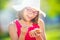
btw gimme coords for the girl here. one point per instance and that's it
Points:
(28, 26)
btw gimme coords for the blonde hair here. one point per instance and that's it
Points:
(20, 16)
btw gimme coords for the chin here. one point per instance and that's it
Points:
(28, 20)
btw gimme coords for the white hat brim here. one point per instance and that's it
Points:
(18, 8)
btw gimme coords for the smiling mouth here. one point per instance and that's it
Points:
(29, 17)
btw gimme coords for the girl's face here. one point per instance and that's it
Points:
(30, 13)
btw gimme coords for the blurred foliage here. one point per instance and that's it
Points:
(53, 35)
(3, 4)
(52, 7)
(4, 36)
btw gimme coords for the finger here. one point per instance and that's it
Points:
(30, 34)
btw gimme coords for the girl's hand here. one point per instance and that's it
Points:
(34, 33)
(23, 33)
(24, 30)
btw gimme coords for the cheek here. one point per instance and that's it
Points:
(24, 14)
(34, 16)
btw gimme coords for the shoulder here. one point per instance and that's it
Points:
(41, 23)
(12, 30)
(12, 23)
(12, 26)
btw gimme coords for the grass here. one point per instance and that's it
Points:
(53, 34)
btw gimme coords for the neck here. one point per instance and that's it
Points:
(27, 22)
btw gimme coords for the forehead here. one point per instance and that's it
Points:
(31, 8)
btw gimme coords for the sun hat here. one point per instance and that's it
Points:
(29, 3)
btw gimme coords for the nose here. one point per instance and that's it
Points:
(31, 15)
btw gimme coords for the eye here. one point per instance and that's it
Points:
(35, 12)
(29, 10)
